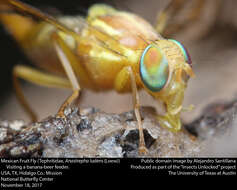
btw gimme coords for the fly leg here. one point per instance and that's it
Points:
(37, 77)
(125, 80)
(73, 68)
(71, 65)
(167, 14)
(59, 47)
(163, 25)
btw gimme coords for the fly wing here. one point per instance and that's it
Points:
(25, 8)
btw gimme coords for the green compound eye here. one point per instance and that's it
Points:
(154, 68)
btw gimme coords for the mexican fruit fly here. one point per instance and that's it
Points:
(109, 49)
